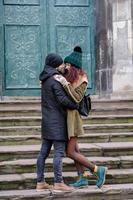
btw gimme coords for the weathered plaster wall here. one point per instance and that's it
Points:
(104, 53)
(122, 46)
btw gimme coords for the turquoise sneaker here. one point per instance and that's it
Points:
(101, 175)
(82, 182)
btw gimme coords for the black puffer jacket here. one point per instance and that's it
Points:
(54, 104)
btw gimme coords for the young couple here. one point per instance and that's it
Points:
(63, 86)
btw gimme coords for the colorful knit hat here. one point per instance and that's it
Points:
(75, 58)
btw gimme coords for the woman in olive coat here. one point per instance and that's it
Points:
(75, 84)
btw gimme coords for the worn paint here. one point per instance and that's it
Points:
(34, 28)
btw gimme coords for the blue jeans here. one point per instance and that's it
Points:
(59, 149)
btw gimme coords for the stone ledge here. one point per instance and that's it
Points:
(86, 138)
(82, 146)
(110, 191)
(29, 165)
(94, 149)
(84, 118)
(28, 180)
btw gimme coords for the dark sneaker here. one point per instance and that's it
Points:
(101, 175)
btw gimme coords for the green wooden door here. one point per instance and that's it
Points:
(71, 23)
(29, 29)
(24, 36)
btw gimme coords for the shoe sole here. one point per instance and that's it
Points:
(56, 191)
(42, 190)
(82, 186)
(106, 170)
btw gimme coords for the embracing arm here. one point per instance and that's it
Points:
(62, 97)
(77, 93)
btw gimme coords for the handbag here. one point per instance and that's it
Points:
(85, 105)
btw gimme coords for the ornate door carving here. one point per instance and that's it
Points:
(24, 27)
(29, 29)
(72, 23)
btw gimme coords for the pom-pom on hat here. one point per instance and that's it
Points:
(75, 58)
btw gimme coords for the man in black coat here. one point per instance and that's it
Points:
(54, 103)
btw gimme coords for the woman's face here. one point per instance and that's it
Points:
(68, 65)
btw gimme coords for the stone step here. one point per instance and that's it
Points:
(106, 137)
(21, 166)
(103, 128)
(20, 130)
(20, 112)
(20, 140)
(110, 192)
(36, 111)
(94, 149)
(36, 120)
(86, 138)
(106, 119)
(28, 180)
(17, 104)
(32, 107)
(92, 128)
(112, 103)
(28, 102)
(112, 111)
(20, 121)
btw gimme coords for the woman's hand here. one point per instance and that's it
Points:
(61, 79)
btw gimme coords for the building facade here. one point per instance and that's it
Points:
(114, 48)
(30, 29)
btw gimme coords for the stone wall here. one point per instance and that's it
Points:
(104, 53)
(122, 46)
(114, 48)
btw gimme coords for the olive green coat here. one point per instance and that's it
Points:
(74, 120)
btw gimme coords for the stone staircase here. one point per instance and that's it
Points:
(108, 141)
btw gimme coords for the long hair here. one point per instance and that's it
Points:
(72, 75)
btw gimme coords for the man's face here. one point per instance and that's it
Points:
(61, 68)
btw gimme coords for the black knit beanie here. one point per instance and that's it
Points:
(53, 60)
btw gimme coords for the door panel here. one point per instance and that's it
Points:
(21, 2)
(24, 44)
(72, 3)
(30, 29)
(71, 24)
(22, 50)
